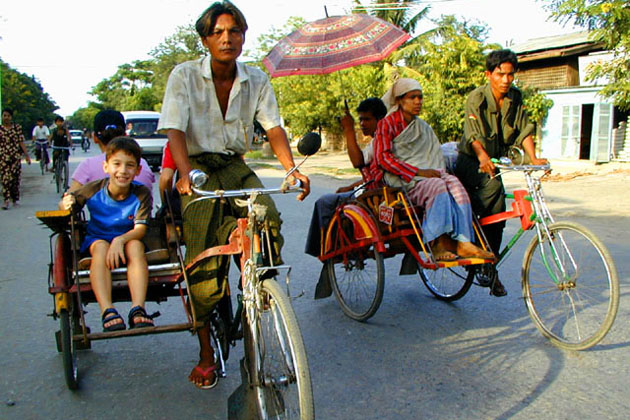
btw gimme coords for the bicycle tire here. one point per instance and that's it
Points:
(42, 162)
(57, 174)
(283, 372)
(578, 312)
(69, 351)
(65, 174)
(357, 277)
(448, 283)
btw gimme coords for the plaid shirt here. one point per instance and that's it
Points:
(384, 160)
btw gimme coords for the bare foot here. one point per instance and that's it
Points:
(468, 250)
(442, 249)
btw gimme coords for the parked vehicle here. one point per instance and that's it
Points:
(142, 126)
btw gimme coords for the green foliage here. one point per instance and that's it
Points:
(449, 63)
(141, 84)
(26, 97)
(609, 22)
(84, 117)
(182, 46)
(396, 12)
(537, 104)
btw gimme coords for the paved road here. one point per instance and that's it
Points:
(480, 357)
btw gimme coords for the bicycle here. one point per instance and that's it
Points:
(61, 171)
(275, 367)
(41, 152)
(85, 144)
(569, 280)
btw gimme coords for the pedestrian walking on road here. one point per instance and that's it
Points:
(11, 141)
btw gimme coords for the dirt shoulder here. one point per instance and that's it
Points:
(574, 189)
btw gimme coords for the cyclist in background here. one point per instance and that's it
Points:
(40, 138)
(60, 137)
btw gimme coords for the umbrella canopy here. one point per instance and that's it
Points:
(334, 43)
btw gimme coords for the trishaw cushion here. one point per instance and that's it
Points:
(157, 256)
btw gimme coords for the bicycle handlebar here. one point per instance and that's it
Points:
(505, 163)
(284, 188)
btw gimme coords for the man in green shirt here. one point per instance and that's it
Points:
(495, 120)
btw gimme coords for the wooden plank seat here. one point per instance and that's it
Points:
(372, 200)
(158, 260)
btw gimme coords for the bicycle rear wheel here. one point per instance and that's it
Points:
(285, 391)
(358, 276)
(69, 350)
(570, 286)
(449, 283)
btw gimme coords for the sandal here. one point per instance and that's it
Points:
(205, 374)
(108, 316)
(139, 312)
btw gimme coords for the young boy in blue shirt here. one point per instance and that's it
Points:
(119, 211)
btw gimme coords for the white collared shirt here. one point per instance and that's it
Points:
(190, 105)
(41, 133)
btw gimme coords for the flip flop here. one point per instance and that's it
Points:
(205, 375)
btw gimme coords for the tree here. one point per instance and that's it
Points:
(128, 89)
(449, 63)
(182, 46)
(609, 22)
(25, 95)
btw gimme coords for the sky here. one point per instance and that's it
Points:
(71, 45)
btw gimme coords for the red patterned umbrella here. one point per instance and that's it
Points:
(332, 44)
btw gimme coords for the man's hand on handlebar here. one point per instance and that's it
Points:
(539, 161)
(183, 185)
(306, 185)
(486, 165)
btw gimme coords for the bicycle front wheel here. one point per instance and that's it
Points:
(570, 286)
(57, 174)
(285, 391)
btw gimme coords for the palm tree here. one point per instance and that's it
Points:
(397, 12)
(402, 14)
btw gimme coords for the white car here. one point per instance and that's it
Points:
(142, 126)
(76, 136)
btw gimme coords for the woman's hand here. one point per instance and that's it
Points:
(67, 201)
(429, 173)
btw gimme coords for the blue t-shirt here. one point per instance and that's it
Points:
(110, 218)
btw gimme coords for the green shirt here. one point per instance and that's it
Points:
(495, 130)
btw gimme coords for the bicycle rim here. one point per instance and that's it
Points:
(283, 372)
(570, 286)
(447, 284)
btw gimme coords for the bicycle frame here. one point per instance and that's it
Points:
(246, 240)
(530, 206)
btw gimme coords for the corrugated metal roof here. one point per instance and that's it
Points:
(552, 42)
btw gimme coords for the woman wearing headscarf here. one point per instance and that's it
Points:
(408, 151)
(11, 149)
